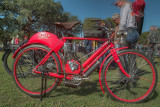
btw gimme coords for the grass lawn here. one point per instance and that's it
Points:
(88, 94)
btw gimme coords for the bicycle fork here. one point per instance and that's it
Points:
(117, 60)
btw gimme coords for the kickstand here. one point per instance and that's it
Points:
(43, 86)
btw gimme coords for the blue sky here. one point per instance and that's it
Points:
(104, 8)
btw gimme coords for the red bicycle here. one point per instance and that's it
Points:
(39, 67)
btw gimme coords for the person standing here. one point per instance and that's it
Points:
(116, 19)
(127, 22)
(17, 40)
(153, 36)
(13, 41)
(88, 45)
(152, 41)
(138, 9)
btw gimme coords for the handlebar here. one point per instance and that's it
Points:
(122, 33)
(99, 27)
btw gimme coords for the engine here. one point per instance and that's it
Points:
(72, 65)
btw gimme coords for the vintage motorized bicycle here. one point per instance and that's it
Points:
(41, 65)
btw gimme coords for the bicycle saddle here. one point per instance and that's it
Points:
(66, 25)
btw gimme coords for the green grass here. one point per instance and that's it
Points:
(88, 94)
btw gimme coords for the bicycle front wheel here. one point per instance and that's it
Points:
(139, 86)
(30, 82)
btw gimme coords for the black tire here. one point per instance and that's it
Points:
(131, 90)
(25, 61)
(7, 61)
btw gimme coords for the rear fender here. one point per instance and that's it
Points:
(48, 39)
(45, 38)
(103, 64)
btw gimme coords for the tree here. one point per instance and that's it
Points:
(143, 38)
(26, 17)
(88, 24)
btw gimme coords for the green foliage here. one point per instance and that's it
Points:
(111, 22)
(26, 17)
(88, 24)
(143, 38)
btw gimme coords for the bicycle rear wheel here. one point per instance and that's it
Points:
(26, 61)
(139, 86)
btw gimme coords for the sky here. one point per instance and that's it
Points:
(104, 9)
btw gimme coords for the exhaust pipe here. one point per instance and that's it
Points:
(90, 70)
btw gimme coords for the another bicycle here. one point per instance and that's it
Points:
(39, 67)
(150, 50)
(7, 57)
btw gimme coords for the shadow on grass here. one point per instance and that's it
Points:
(86, 88)
(153, 96)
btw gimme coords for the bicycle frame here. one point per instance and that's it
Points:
(90, 61)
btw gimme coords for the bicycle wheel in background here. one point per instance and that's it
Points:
(157, 52)
(8, 61)
(139, 86)
(26, 61)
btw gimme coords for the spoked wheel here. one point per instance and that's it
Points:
(7, 61)
(26, 61)
(139, 86)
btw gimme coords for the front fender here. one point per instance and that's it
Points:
(100, 70)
